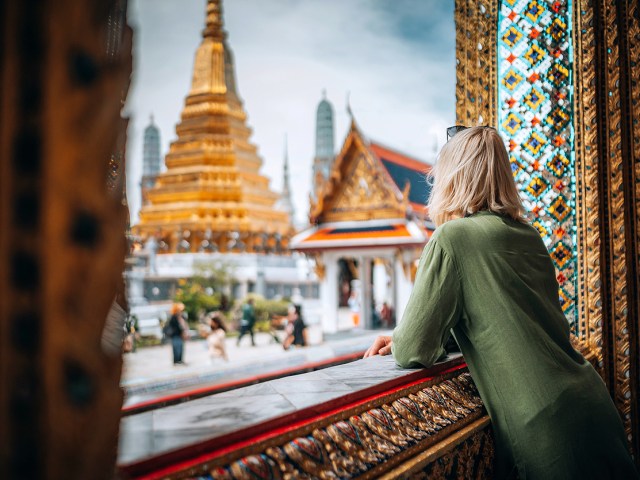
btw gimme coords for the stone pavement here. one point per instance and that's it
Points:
(149, 372)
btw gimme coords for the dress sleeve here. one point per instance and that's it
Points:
(434, 308)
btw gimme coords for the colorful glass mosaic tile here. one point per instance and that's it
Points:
(537, 186)
(512, 123)
(534, 99)
(535, 93)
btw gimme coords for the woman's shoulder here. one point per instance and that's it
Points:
(483, 229)
(452, 231)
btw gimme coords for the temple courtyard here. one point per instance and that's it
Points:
(149, 373)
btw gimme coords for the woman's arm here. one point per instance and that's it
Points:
(434, 307)
(381, 346)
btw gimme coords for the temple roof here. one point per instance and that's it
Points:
(362, 234)
(371, 181)
(404, 169)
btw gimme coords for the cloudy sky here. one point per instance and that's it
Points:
(396, 58)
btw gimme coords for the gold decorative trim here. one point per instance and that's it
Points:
(366, 440)
(633, 43)
(617, 257)
(589, 314)
(424, 459)
(325, 421)
(476, 83)
(461, 62)
(384, 436)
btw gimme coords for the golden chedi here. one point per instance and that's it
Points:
(212, 196)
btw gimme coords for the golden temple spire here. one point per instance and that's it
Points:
(209, 67)
(214, 25)
(213, 187)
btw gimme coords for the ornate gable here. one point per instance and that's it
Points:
(358, 188)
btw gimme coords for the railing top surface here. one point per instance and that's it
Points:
(220, 420)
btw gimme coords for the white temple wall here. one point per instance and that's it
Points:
(403, 287)
(329, 294)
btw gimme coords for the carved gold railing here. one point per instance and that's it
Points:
(386, 423)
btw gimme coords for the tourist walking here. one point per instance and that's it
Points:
(386, 315)
(216, 339)
(486, 274)
(176, 330)
(296, 329)
(247, 321)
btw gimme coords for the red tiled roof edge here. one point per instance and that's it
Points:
(399, 158)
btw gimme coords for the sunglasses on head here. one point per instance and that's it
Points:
(452, 131)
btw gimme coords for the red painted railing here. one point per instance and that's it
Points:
(182, 459)
(176, 398)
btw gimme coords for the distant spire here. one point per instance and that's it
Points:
(214, 20)
(151, 158)
(324, 128)
(285, 198)
(349, 112)
(324, 144)
(285, 188)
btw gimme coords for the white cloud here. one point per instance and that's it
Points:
(287, 52)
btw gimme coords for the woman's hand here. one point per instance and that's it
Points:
(381, 346)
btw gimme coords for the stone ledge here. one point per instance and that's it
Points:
(214, 432)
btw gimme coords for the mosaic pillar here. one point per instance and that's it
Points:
(535, 95)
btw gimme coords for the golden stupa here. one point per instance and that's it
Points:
(212, 196)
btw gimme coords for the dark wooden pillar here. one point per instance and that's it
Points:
(65, 71)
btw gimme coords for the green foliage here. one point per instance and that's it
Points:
(215, 274)
(203, 292)
(196, 300)
(264, 309)
(148, 341)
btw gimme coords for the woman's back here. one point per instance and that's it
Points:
(491, 280)
(510, 297)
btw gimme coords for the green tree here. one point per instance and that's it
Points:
(265, 310)
(205, 291)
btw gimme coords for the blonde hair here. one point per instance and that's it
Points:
(473, 174)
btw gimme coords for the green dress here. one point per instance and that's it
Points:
(490, 279)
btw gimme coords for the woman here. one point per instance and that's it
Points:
(177, 329)
(216, 339)
(296, 329)
(487, 275)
